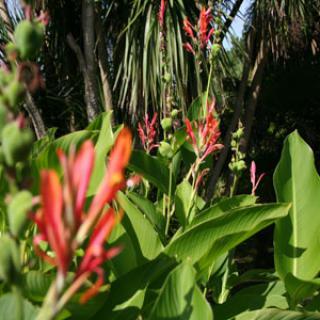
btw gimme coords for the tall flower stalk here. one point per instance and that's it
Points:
(63, 223)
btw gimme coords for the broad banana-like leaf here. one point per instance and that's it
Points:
(296, 238)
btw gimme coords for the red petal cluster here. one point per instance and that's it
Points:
(162, 12)
(254, 181)
(61, 219)
(204, 32)
(204, 134)
(147, 132)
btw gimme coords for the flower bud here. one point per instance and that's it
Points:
(28, 37)
(165, 150)
(16, 143)
(13, 93)
(166, 124)
(215, 49)
(9, 259)
(174, 113)
(17, 212)
(167, 77)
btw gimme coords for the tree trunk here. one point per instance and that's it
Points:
(90, 60)
(35, 116)
(216, 170)
(261, 62)
(102, 60)
(31, 108)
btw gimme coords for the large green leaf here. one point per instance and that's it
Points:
(277, 314)
(36, 285)
(175, 297)
(201, 309)
(186, 205)
(300, 289)
(296, 236)
(9, 308)
(102, 147)
(150, 212)
(142, 234)
(252, 298)
(152, 169)
(121, 300)
(225, 205)
(48, 158)
(232, 227)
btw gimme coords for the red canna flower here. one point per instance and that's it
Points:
(189, 48)
(61, 219)
(188, 28)
(147, 132)
(205, 19)
(162, 12)
(203, 32)
(204, 138)
(255, 183)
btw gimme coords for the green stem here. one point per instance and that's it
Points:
(194, 191)
(168, 214)
(207, 90)
(49, 307)
(224, 290)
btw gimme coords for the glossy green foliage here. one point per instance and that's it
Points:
(297, 236)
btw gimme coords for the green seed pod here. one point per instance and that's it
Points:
(13, 93)
(232, 166)
(28, 37)
(18, 210)
(215, 49)
(241, 165)
(167, 77)
(166, 124)
(165, 150)
(9, 259)
(16, 143)
(174, 113)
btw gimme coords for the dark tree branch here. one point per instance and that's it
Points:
(88, 29)
(234, 11)
(102, 59)
(216, 170)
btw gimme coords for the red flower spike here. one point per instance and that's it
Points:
(191, 135)
(147, 132)
(204, 139)
(114, 179)
(82, 169)
(188, 28)
(95, 253)
(189, 48)
(52, 220)
(162, 12)
(61, 221)
(255, 183)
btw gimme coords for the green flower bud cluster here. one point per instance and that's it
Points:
(29, 37)
(237, 163)
(166, 150)
(166, 124)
